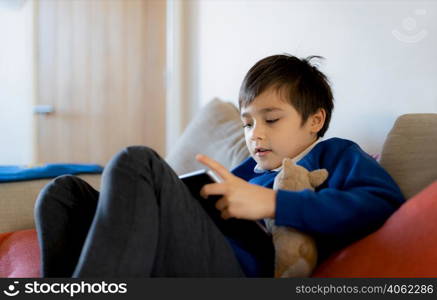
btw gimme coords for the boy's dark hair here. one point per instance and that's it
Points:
(306, 88)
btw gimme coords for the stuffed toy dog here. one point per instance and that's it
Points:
(295, 252)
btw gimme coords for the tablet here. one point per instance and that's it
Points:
(197, 179)
(240, 229)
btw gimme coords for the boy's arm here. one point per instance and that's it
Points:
(360, 196)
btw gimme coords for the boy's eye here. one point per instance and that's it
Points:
(247, 125)
(272, 121)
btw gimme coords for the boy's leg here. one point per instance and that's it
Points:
(64, 211)
(148, 224)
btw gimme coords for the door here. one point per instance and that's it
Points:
(100, 67)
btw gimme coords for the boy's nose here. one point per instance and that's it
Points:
(258, 133)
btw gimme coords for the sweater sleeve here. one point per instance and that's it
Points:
(359, 197)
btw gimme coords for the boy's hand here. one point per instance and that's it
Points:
(240, 199)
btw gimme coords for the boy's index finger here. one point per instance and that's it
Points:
(213, 165)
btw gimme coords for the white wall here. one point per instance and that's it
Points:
(16, 82)
(376, 74)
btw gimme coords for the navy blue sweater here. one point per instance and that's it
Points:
(356, 199)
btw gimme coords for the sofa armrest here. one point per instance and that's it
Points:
(19, 254)
(403, 247)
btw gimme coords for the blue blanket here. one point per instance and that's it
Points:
(20, 173)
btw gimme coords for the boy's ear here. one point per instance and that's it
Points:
(318, 120)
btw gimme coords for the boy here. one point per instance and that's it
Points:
(145, 222)
(286, 106)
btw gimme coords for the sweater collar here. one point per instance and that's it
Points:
(257, 169)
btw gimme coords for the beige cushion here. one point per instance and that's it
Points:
(215, 131)
(410, 152)
(17, 201)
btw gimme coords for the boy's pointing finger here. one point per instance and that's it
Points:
(213, 165)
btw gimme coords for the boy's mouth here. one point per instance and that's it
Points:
(261, 152)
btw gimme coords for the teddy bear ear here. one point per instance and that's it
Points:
(317, 177)
(287, 162)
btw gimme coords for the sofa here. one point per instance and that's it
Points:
(403, 247)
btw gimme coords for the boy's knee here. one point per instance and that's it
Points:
(135, 154)
(61, 182)
(65, 180)
(53, 189)
(142, 152)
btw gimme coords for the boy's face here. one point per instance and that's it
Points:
(275, 126)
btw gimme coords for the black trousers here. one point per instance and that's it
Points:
(143, 223)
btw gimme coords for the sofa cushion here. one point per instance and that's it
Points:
(410, 152)
(216, 131)
(405, 246)
(17, 200)
(19, 254)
